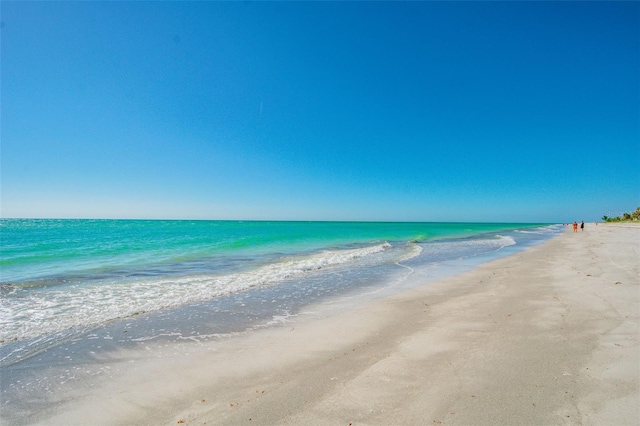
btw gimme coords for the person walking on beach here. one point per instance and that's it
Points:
(582, 226)
(575, 226)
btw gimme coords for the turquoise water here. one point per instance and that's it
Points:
(40, 249)
(77, 294)
(61, 278)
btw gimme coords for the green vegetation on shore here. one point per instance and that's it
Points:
(624, 217)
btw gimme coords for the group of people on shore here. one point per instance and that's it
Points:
(575, 226)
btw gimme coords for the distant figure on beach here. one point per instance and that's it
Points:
(575, 226)
(582, 226)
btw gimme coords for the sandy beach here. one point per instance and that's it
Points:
(547, 336)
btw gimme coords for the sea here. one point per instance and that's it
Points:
(74, 291)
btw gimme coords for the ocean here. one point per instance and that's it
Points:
(74, 291)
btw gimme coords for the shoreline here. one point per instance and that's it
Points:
(560, 347)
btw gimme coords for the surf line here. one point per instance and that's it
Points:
(408, 267)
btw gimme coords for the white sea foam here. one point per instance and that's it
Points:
(505, 241)
(542, 230)
(446, 250)
(414, 250)
(49, 311)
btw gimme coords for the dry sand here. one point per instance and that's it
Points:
(547, 336)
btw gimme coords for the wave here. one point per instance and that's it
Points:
(414, 250)
(542, 230)
(459, 249)
(505, 241)
(81, 304)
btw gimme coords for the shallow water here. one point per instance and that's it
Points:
(61, 324)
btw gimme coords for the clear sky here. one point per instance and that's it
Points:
(400, 111)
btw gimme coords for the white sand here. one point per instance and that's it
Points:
(547, 336)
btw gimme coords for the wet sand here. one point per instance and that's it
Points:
(549, 335)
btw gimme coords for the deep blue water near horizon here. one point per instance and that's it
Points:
(73, 291)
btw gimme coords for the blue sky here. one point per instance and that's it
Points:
(401, 111)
